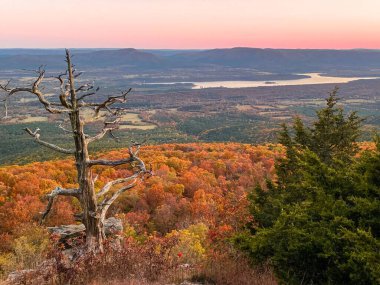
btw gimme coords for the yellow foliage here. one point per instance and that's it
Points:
(27, 250)
(191, 246)
(7, 263)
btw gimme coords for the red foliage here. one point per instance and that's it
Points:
(193, 183)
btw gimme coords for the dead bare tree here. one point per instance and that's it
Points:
(72, 100)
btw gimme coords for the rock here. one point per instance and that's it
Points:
(67, 231)
(112, 226)
(36, 276)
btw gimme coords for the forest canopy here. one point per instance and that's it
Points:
(307, 209)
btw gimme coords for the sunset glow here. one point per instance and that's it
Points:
(190, 23)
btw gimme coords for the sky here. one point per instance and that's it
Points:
(190, 24)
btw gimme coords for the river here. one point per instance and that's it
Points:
(314, 78)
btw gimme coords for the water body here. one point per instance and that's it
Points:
(314, 78)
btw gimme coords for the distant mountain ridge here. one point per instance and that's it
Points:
(271, 60)
(285, 59)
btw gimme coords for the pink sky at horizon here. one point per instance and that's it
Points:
(338, 24)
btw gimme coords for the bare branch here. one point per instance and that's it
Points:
(58, 191)
(117, 139)
(61, 81)
(62, 127)
(109, 126)
(86, 95)
(107, 202)
(109, 162)
(34, 89)
(71, 88)
(78, 74)
(110, 101)
(100, 135)
(36, 136)
(132, 158)
(64, 90)
(86, 87)
(110, 184)
(140, 171)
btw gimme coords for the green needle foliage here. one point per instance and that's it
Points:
(320, 222)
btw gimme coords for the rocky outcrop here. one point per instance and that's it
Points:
(112, 227)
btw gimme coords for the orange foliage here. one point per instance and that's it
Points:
(192, 183)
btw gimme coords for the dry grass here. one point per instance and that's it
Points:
(149, 263)
(227, 269)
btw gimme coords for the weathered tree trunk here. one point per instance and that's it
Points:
(90, 216)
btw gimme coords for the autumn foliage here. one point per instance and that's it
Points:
(198, 194)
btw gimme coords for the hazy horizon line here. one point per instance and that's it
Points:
(138, 48)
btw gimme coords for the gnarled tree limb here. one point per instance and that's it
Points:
(58, 191)
(34, 89)
(88, 94)
(109, 126)
(106, 162)
(112, 183)
(36, 137)
(110, 101)
(140, 172)
(107, 202)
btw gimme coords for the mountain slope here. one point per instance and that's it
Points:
(283, 59)
(272, 60)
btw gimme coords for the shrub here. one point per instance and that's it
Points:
(27, 251)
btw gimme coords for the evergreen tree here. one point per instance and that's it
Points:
(332, 135)
(319, 222)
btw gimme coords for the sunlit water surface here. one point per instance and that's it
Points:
(313, 78)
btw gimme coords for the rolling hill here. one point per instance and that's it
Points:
(270, 60)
